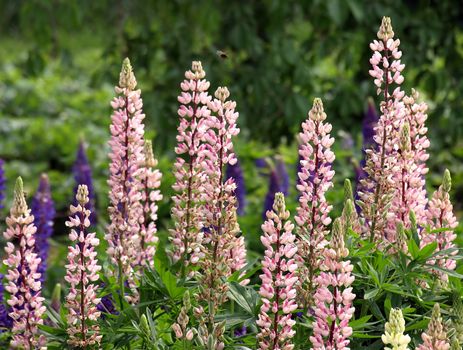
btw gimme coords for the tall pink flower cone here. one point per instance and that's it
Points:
(82, 275)
(334, 297)
(440, 215)
(24, 284)
(381, 165)
(126, 155)
(278, 277)
(315, 178)
(411, 169)
(193, 113)
(151, 195)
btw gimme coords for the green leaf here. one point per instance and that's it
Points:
(427, 251)
(360, 322)
(245, 297)
(413, 248)
(371, 294)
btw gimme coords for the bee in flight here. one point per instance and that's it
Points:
(222, 54)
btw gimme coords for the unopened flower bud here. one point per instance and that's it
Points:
(317, 113)
(126, 77)
(385, 31)
(447, 181)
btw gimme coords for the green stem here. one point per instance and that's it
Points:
(121, 286)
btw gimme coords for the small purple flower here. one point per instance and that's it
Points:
(2, 182)
(106, 306)
(43, 209)
(236, 172)
(83, 176)
(240, 332)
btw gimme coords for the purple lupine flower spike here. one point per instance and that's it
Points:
(43, 209)
(6, 322)
(283, 176)
(273, 187)
(83, 176)
(2, 182)
(236, 172)
(369, 123)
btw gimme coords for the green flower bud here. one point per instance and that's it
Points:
(447, 181)
(126, 77)
(385, 31)
(19, 201)
(144, 326)
(56, 297)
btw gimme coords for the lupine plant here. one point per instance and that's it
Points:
(351, 275)
(83, 176)
(43, 210)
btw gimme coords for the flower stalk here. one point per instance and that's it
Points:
(82, 274)
(24, 284)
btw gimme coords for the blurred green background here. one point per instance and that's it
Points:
(59, 61)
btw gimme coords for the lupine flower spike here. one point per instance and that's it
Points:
(409, 178)
(83, 176)
(273, 187)
(5, 320)
(236, 173)
(334, 297)
(126, 156)
(23, 277)
(278, 279)
(377, 189)
(440, 216)
(394, 332)
(82, 275)
(313, 211)
(43, 210)
(188, 170)
(219, 209)
(435, 337)
(151, 195)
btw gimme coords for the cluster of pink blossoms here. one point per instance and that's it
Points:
(315, 178)
(333, 298)
(151, 195)
(125, 194)
(220, 202)
(435, 337)
(440, 215)
(189, 167)
(24, 283)
(376, 190)
(82, 273)
(409, 177)
(278, 280)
